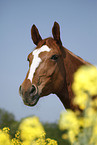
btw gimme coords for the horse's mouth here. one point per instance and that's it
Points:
(31, 100)
(31, 96)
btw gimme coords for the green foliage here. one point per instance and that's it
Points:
(53, 131)
(8, 120)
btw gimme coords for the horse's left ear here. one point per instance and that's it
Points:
(56, 33)
(35, 35)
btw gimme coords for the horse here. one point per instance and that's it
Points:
(51, 70)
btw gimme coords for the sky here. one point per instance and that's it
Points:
(78, 27)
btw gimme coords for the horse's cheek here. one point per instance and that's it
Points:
(52, 70)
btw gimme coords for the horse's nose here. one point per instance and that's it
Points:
(33, 90)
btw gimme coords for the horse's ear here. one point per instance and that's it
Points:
(56, 33)
(35, 35)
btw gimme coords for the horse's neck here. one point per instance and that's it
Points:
(71, 64)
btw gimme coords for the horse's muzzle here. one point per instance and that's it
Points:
(30, 97)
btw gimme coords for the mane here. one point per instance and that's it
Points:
(77, 57)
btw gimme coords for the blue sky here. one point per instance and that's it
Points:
(78, 22)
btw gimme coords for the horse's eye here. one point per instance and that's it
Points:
(54, 57)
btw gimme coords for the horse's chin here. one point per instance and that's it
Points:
(31, 100)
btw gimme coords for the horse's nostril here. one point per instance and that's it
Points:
(33, 89)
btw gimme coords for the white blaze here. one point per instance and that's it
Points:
(36, 60)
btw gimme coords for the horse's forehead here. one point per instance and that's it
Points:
(41, 49)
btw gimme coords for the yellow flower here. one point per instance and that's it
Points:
(81, 100)
(51, 142)
(71, 136)
(17, 135)
(91, 113)
(94, 103)
(40, 141)
(64, 136)
(6, 129)
(85, 85)
(81, 121)
(94, 134)
(95, 130)
(87, 122)
(27, 142)
(4, 138)
(31, 128)
(16, 141)
(86, 79)
(43, 141)
(68, 121)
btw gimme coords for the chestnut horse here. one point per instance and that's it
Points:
(51, 69)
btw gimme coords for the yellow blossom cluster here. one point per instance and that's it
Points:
(85, 85)
(4, 137)
(31, 128)
(68, 121)
(30, 132)
(82, 126)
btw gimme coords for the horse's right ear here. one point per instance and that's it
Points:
(35, 35)
(56, 33)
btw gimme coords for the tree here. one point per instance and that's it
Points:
(8, 120)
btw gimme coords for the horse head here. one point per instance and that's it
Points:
(51, 69)
(46, 67)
